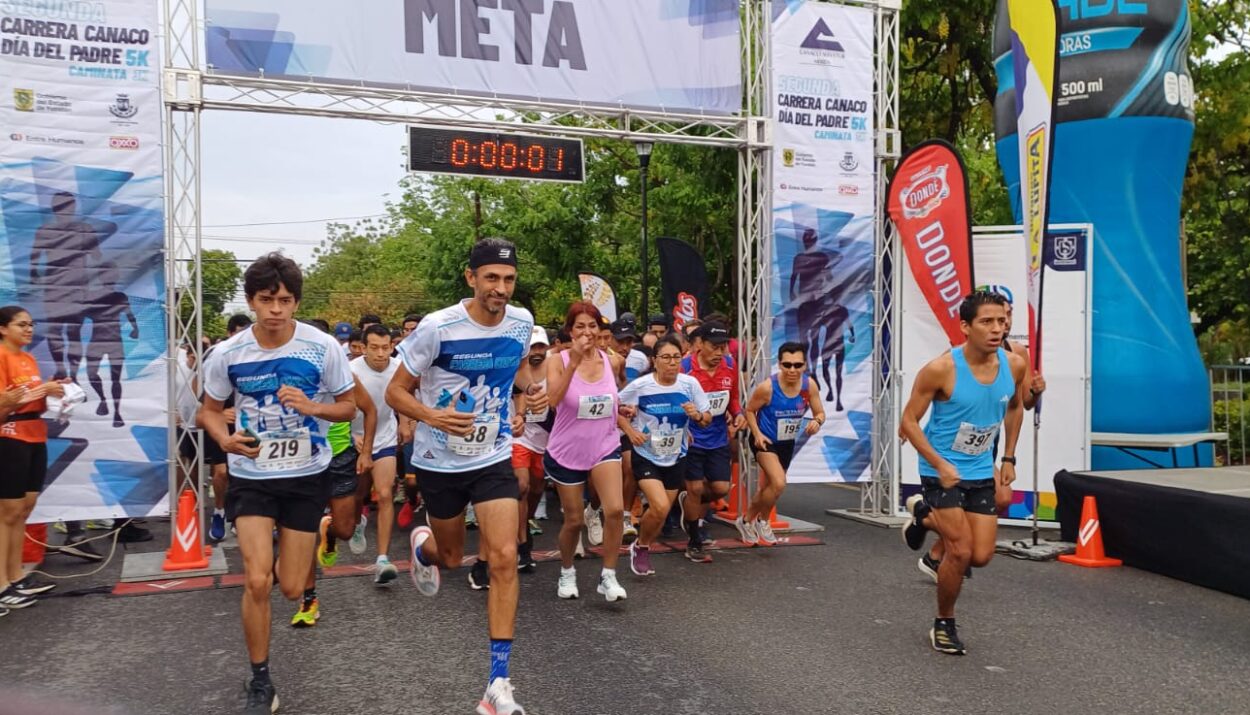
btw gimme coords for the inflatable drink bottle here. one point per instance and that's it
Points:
(1125, 113)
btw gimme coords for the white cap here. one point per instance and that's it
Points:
(539, 336)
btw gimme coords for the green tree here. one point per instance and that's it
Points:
(219, 285)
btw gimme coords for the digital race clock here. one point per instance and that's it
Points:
(507, 156)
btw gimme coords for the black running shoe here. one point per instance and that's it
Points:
(695, 553)
(479, 576)
(944, 638)
(262, 699)
(11, 599)
(525, 558)
(132, 533)
(28, 586)
(913, 529)
(929, 566)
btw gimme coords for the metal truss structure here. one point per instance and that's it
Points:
(190, 88)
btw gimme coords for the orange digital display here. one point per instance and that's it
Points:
(509, 156)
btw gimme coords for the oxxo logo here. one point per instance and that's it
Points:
(123, 142)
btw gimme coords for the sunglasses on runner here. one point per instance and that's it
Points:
(792, 365)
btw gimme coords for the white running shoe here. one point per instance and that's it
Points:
(470, 517)
(580, 551)
(568, 584)
(357, 544)
(630, 532)
(384, 571)
(425, 578)
(746, 531)
(541, 512)
(594, 526)
(765, 531)
(610, 587)
(498, 699)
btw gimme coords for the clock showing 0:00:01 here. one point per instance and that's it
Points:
(493, 154)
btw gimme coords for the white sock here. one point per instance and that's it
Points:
(383, 557)
(570, 571)
(219, 512)
(607, 572)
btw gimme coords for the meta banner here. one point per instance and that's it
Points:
(928, 202)
(82, 239)
(654, 54)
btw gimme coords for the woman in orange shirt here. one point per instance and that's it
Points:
(23, 450)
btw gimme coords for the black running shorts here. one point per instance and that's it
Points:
(783, 450)
(295, 503)
(25, 466)
(342, 471)
(974, 497)
(712, 465)
(672, 477)
(446, 494)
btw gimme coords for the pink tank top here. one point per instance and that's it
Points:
(585, 431)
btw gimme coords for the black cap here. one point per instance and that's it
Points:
(492, 251)
(623, 329)
(658, 319)
(713, 332)
(627, 318)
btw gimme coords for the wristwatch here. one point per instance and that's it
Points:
(1009, 460)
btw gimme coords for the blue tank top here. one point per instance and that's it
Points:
(783, 415)
(962, 429)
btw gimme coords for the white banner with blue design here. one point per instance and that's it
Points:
(82, 238)
(824, 201)
(680, 55)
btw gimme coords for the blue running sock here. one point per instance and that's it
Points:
(500, 652)
(420, 556)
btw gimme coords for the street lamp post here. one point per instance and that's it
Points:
(644, 161)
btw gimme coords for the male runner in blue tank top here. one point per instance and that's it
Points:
(973, 390)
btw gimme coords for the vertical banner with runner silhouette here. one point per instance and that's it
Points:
(81, 242)
(824, 203)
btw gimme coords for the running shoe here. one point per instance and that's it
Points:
(594, 526)
(704, 534)
(525, 558)
(535, 529)
(60, 527)
(610, 588)
(479, 576)
(358, 544)
(541, 512)
(12, 600)
(695, 553)
(929, 566)
(498, 699)
(579, 552)
(308, 614)
(28, 586)
(217, 527)
(913, 530)
(384, 571)
(132, 533)
(98, 524)
(765, 531)
(4, 612)
(327, 556)
(640, 560)
(630, 531)
(567, 587)
(746, 531)
(425, 578)
(470, 517)
(262, 699)
(945, 639)
(404, 517)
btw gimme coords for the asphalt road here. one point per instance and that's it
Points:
(836, 628)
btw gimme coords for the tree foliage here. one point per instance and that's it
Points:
(219, 285)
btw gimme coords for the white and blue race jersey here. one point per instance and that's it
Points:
(636, 363)
(470, 367)
(661, 418)
(292, 445)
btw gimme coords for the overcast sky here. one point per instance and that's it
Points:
(269, 182)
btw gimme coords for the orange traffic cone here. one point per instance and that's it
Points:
(732, 508)
(185, 553)
(1089, 541)
(776, 523)
(33, 547)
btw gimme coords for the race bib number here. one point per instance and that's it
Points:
(284, 450)
(536, 417)
(788, 428)
(972, 440)
(666, 444)
(481, 440)
(594, 407)
(718, 402)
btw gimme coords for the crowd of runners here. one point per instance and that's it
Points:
(481, 419)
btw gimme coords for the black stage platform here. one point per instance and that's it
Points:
(1190, 524)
